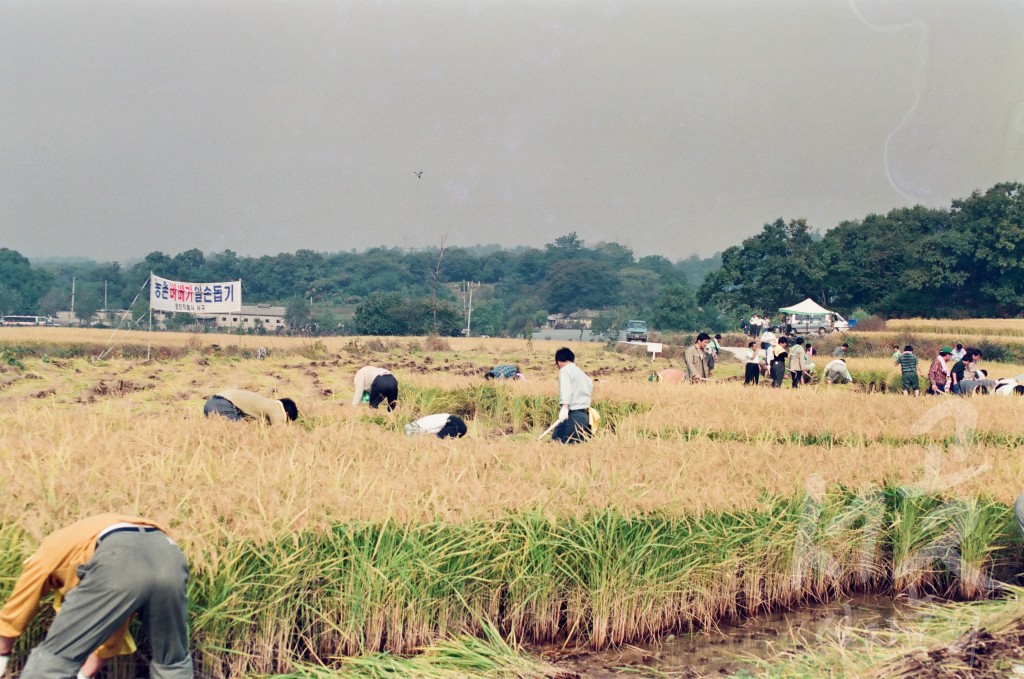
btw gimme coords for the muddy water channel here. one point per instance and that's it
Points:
(731, 647)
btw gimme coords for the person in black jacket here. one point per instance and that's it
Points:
(777, 365)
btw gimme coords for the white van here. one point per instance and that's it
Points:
(815, 324)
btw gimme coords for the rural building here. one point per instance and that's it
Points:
(111, 317)
(581, 318)
(272, 318)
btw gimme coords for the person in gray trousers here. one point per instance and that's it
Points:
(103, 570)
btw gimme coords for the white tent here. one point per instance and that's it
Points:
(807, 307)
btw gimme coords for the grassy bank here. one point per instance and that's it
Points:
(602, 579)
(980, 639)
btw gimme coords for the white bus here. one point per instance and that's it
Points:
(25, 320)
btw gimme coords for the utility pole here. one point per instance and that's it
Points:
(72, 297)
(469, 307)
(105, 307)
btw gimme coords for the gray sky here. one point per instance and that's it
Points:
(669, 126)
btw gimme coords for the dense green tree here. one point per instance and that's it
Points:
(224, 266)
(488, 318)
(565, 247)
(299, 314)
(10, 300)
(638, 288)
(693, 270)
(675, 309)
(522, 318)
(54, 300)
(610, 321)
(23, 283)
(378, 314)
(190, 266)
(88, 300)
(984, 251)
(580, 284)
(779, 266)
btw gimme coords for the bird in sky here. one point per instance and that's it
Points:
(419, 175)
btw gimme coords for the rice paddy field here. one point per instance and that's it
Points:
(337, 546)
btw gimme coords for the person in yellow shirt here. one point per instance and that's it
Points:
(238, 404)
(104, 569)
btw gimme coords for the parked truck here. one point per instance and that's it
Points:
(636, 331)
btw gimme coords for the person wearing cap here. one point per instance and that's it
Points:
(939, 372)
(575, 390)
(102, 570)
(696, 359)
(239, 404)
(379, 385)
(777, 365)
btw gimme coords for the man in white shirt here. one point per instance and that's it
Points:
(379, 384)
(755, 326)
(574, 392)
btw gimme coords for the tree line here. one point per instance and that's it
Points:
(965, 261)
(390, 290)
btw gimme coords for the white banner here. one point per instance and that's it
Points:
(195, 298)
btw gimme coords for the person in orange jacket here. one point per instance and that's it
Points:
(103, 570)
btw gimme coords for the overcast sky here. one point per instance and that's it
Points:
(673, 127)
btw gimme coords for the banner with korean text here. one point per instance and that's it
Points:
(194, 298)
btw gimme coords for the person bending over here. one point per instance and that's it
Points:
(379, 385)
(239, 404)
(102, 570)
(442, 425)
(503, 372)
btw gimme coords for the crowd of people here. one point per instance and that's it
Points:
(375, 386)
(776, 358)
(953, 371)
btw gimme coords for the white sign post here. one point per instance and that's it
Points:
(654, 348)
